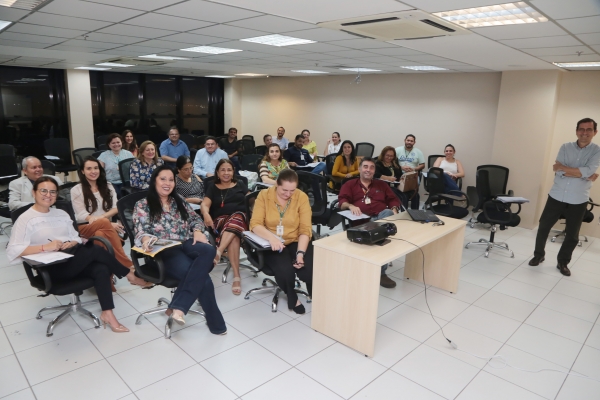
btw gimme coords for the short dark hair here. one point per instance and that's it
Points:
(366, 159)
(287, 175)
(113, 136)
(219, 164)
(337, 133)
(298, 137)
(181, 161)
(232, 129)
(449, 145)
(585, 120)
(265, 137)
(210, 138)
(43, 179)
(410, 135)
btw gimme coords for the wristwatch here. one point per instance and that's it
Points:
(300, 252)
(396, 209)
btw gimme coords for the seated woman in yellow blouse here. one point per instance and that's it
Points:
(346, 163)
(309, 145)
(284, 212)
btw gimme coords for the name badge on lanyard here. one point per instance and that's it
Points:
(367, 200)
(279, 228)
(302, 156)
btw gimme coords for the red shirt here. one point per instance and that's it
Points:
(382, 197)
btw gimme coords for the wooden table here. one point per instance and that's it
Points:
(346, 275)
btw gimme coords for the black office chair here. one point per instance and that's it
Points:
(248, 137)
(247, 147)
(201, 140)
(7, 150)
(151, 269)
(141, 138)
(498, 180)
(80, 154)
(322, 214)
(454, 204)
(9, 170)
(96, 154)
(210, 180)
(430, 162)
(40, 279)
(335, 182)
(494, 212)
(250, 162)
(49, 167)
(255, 254)
(189, 140)
(364, 149)
(101, 140)
(587, 218)
(262, 150)
(124, 167)
(61, 148)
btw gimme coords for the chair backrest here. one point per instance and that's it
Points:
(435, 181)
(96, 154)
(201, 140)
(250, 162)
(482, 183)
(364, 149)
(247, 146)
(197, 132)
(141, 138)
(101, 140)
(250, 198)
(80, 154)
(497, 178)
(124, 167)
(210, 180)
(188, 139)
(49, 167)
(7, 150)
(8, 166)
(58, 147)
(431, 159)
(125, 207)
(64, 191)
(66, 206)
(262, 150)
(102, 147)
(248, 137)
(329, 161)
(15, 214)
(305, 184)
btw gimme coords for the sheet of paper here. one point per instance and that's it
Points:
(52, 157)
(348, 214)
(311, 165)
(424, 174)
(48, 257)
(508, 199)
(194, 206)
(258, 240)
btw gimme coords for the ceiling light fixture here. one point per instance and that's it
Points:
(111, 64)
(219, 76)
(4, 24)
(360, 69)
(211, 50)
(309, 71)
(423, 68)
(250, 74)
(93, 68)
(578, 64)
(22, 4)
(501, 14)
(157, 57)
(278, 40)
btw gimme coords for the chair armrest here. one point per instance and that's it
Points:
(105, 242)
(452, 197)
(42, 271)
(135, 256)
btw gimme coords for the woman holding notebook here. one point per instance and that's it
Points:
(43, 229)
(165, 215)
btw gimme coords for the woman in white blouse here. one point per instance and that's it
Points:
(95, 201)
(110, 160)
(333, 144)
(452, 167)
(43, 229)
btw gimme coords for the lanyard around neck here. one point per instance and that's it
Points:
(282, 213)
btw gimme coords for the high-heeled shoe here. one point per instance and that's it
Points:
(119, 329)
(217, 258)
(178, 318)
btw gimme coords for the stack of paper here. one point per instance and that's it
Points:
(348, 215)
(264, 243)
(509, 199)
(48, 257)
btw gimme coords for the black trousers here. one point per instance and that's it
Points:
(573, 216)
(405, 196)
(92, 262)
(285, 273)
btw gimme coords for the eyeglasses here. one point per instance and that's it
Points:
(47, 192)
(588, 130)
(187, 169)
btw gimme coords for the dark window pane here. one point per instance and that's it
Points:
(121, 102)
(195, 105)
(161, 103)
(94, 87)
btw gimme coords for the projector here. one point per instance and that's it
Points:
(371, 233)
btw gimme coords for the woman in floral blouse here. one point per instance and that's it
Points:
(272, 164)
(141, 169)
(164, 215)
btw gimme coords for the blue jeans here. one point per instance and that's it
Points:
(383, 214)
(117, 187)
(190, 264)
(319, 168)
(449, 184)
(236, 163)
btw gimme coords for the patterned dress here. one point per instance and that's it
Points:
(140, 173)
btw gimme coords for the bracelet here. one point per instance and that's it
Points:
(300, 252)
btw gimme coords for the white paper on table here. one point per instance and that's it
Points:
(52, 157)
(508, 199)
(348, 214)
(311, 165)
(48, 257)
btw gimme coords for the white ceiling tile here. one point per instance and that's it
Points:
(314, 56)
(363, 44)
(107, 38)
(597, 48)
(558, 51)
(590, 38)
(396, 51)
(59, 21)
(136, 31)
(563, 9)
(18, 43)
(82, 9)
(88, 44)
(351, 53)
(190, 38)
(164, 44)
(62, 47)
(162, 21)
(142, 50)
(382, 59)
(262, 48)
(271, 23)
(549, 41)
(146, 5)
(425, 58)
(315, 11)
(572, 58)
(319, 47)
(206, 11)
(12, 14)
(31, 38)
(321, 35)
(184, 54)
(229, 32)
(45, 30)
(582, 25)
(448, 5)
(540, 29)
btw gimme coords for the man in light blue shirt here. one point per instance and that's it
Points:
(172, 148)
(574, 171)
(409, 157)
(208, 157)
(280, 140)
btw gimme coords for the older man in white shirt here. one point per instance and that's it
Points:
(20, 190)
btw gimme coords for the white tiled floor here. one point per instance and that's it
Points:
(532, 316)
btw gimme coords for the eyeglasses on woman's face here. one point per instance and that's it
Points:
(47, 192)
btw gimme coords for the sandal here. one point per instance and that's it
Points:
(217, 257)
(237, 290)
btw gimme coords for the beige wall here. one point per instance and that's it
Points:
(79, 106)
(437, 108)
(233, 103)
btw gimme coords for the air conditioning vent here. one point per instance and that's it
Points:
(137, 61)
(397, 26)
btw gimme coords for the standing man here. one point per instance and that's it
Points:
(172, 148)
(208, 157)
(280, 140)
(372, 197)
(20, 190)
(231, 146)
(574, 171)
(411, 159)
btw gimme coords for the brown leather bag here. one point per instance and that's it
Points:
(409, 181)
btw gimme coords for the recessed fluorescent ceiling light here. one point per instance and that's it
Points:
(4, 24)
(22, 4)
(157, 57)
(360, 69)
(424, 68)
(578, 64)
(309, 71)
(250, 74)
(277, 40)
(110, 64)
(93, 68)
(210, 50)
(218, 76)
(501, 14)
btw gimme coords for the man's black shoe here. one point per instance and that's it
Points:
(387, 282)
(535, 261)
(563, 269)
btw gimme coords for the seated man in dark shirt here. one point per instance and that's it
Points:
(298, 158)
(231, 146)
(372, 197)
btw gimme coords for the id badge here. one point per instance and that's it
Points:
(367, 200)
(302, 157)
(280, 230)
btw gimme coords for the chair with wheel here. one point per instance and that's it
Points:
(80, 154)
(454, 204)
(61, 148)
(498, 180)
(587, 218)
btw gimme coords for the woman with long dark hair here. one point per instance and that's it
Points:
(346, 162)
(453, 168)
(129, 142)
(165, 215)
